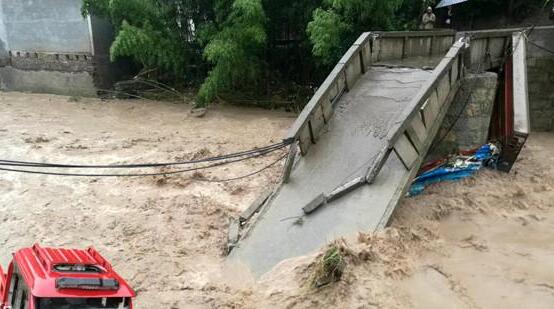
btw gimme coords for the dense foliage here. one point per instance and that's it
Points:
(234, 49)
(155, 33)
(339, 22)
(252, 45)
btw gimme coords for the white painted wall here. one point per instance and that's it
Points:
(45, 26)
(521, 97)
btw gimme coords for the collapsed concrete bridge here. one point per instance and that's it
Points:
(364, 135)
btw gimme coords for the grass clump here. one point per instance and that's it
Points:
(330, 267)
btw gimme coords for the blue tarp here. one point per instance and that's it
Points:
(456, 169)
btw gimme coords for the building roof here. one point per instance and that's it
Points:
(42, 267)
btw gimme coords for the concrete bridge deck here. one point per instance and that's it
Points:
(346, 150)
(362, 139)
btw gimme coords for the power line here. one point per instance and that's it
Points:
(540, 47)
(248, 153)
(26, 171)
(247, 175)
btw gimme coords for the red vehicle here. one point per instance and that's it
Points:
(48, 278)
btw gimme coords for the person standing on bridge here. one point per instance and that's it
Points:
(429, 19)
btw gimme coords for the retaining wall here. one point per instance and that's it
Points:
(471, 113)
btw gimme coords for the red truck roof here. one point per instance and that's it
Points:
(45, 269)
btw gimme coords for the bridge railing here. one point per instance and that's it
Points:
(488, 48)
(407, 44)
(493, 49)
(307, 127)
(370, 47)
(411, 139)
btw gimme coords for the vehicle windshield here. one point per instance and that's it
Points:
(83, 303)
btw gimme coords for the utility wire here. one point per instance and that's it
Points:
(539, 46)
(248, 153)
(26, 171)
(247, 175)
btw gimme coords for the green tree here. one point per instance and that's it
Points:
(338, 23)
(246, 45)
(234, 48)
(156, 33)
(174, 35)
(327, 33)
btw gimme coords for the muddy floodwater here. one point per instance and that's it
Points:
(486, 242)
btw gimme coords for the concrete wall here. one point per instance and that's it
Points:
(64, 83)
(472, 127)
(47, 46)
(46, 26)
(66, 74)
(487, 52)
(540, 70)
(407, 44)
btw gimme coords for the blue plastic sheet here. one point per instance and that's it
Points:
(459, 168)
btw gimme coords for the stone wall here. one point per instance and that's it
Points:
(67, 74)
(540, 66)
(56, 82)
(469, 115)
